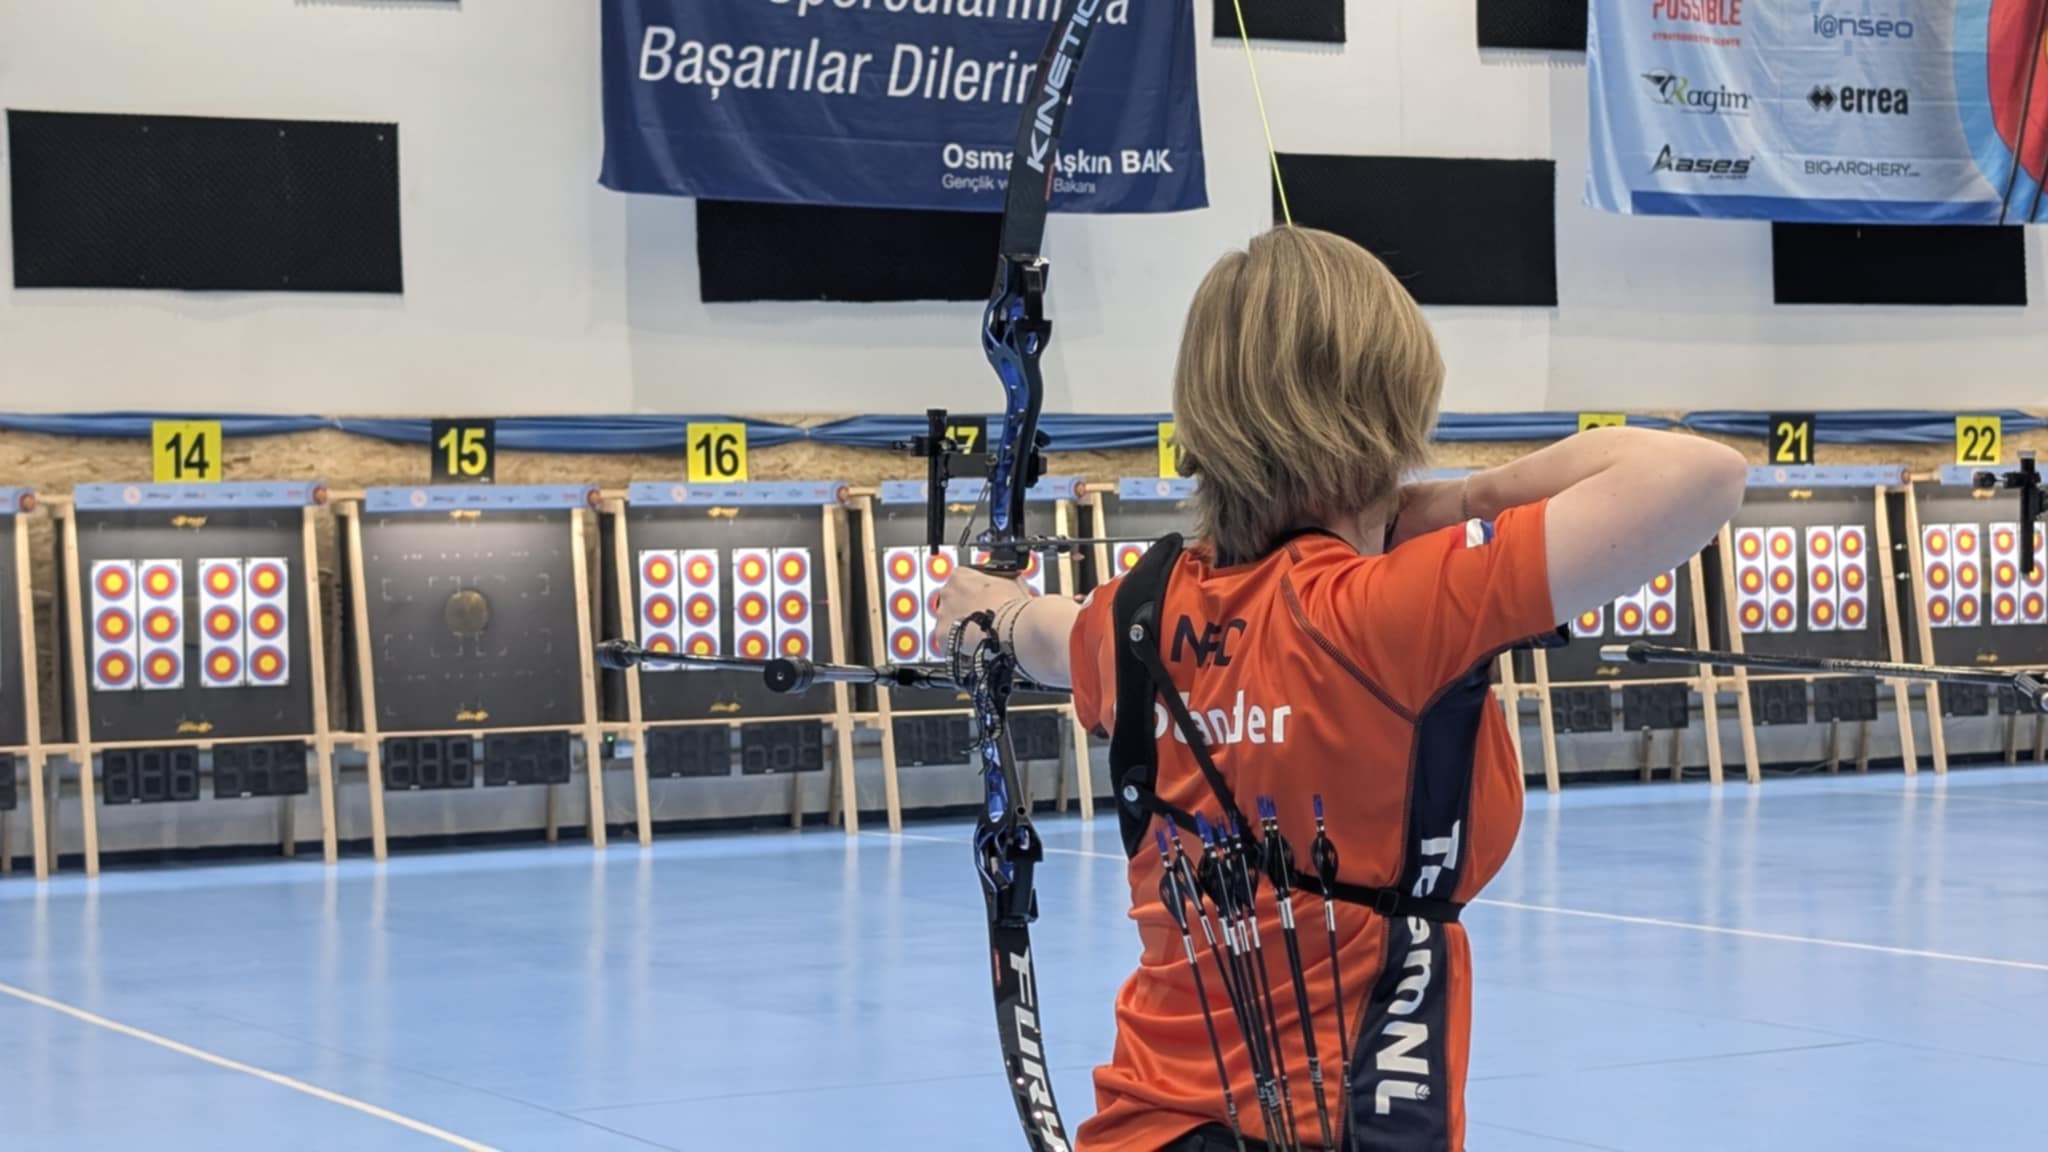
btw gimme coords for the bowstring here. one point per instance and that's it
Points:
(1259, 98)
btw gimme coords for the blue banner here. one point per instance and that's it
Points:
(1837, 111)
(895, 103)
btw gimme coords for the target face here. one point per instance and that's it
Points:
(1781, 545)
(792, 567)
(159, 581)
(702, 610)
(939, 567)
(223, 664)
(1127, 557)
(754, 645)
(222, 623)
(1662, 584)
(1781, 615)
(661, 644)
(1937, 542)
(794, 607)
(1852, 543)
(1852, 579)
(2035, 605)
(1752, 580)
(1852, 612)
(2003, 540)
(266, 664)
(1966, 539)
(1781, 579)
(2006, 573)
(162, 668)
(903, 606)
(221, 580)
(660, 611)
(700, 571)
(1821, 545)
(1589, 623)
(1966, 610)
(1661, 617)
(1937, 577)
(1966, 575)
(1749, 544)
(2006, 606)
(115, 669)
(902, 567)
(266, 579)
(657, 571)
(115, 626)
(266, 622)
(904, 642)
(701, 645)
(1823, 579)
(113, 583)
(161, 624)
(1631, 616)
(753, 569)
(795, 645)
(1938, 611)
(1752, 615)
(1823, 613)
(753, 608)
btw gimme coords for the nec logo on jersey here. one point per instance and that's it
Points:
(1214, 641)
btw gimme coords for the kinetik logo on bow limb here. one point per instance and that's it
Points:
(1044, 126)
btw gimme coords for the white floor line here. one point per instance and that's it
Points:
(1655, 922)
(281, 1081)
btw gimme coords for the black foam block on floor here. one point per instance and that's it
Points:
(1474, 232)
(1315, 21)
(1537, 25)
(1933, 264)
(204, 203)
(748, 252)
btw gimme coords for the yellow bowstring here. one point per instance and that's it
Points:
(1259, 96)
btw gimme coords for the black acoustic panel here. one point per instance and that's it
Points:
(526, 758)
(2008, 701)
(1656, 707)
(1315, 21)
(204, 203)
(1778, 702)
(1475, 232)
(778, 749)
(426, 763)
(7, 786)
(272, 768)
(933, 740)
(1844, 700)
(1035, 736)
(472, 622)
(1582, 709)
(698, 751)
(748, 252)
(1898, 264)
(1538, 25)
(1965, 700)
(149, 775)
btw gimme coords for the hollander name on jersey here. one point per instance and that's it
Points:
(1240, 723)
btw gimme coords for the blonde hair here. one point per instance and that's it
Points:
(1307, 386)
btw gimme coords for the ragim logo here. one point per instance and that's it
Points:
(1057, 79)
(1679, 92)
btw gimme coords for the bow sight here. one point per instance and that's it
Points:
(2027, 481)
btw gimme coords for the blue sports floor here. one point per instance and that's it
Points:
(1848, 963)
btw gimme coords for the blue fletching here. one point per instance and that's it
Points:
(1319, 805)
(1203, 829)
(1160, 835)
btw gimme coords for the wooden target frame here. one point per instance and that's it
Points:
(965, 497)
(580, 502)
(826, 500)
(1997, 510)
(17, 505)
(1878, 482)
(308, 498)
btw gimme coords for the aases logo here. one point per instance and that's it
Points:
(1713, 167)
(1829, 26)
(1679, 92)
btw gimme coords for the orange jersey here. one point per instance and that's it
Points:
(1363, 679)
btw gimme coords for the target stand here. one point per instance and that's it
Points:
(1143, 509)
(903, 581)
(1973, 605)
(747, 570)
(1806, 569)
(23, 754)
(196, 648)
(473, 644)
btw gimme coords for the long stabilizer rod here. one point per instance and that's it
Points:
(2028, 685)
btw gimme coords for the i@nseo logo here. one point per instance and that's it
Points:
(1680, 92)
(1860, 26)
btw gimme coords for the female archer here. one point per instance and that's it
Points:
(1323, 644)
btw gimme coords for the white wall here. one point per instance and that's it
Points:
(530, 289)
